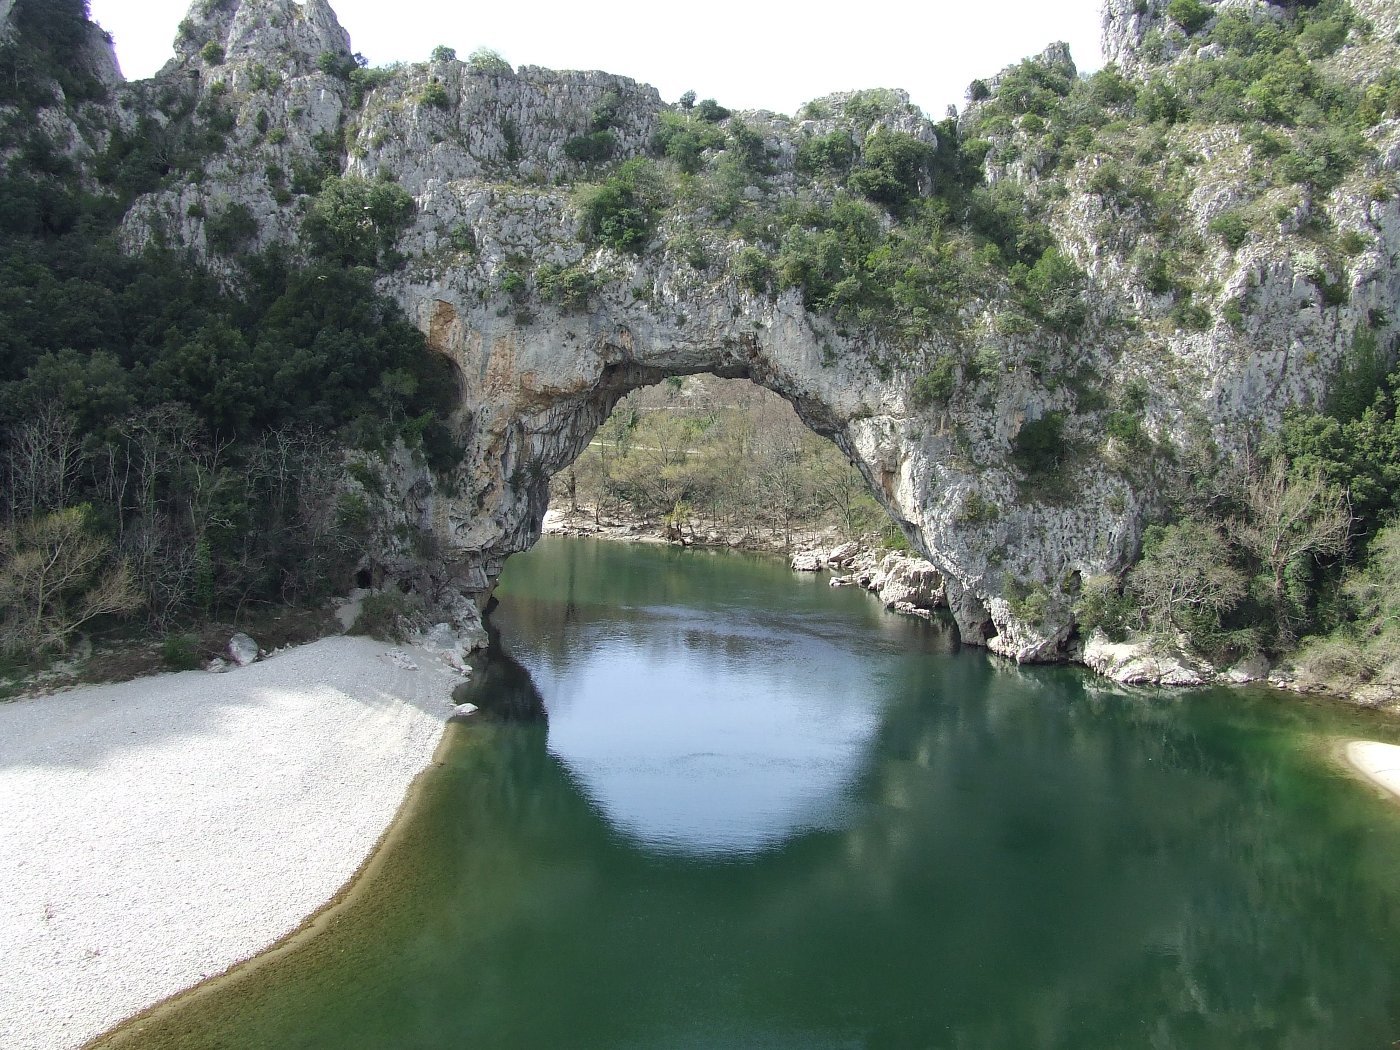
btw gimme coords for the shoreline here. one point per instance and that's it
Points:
(1131, 663)
(1376, 763)
(172, 828)
(314, 925)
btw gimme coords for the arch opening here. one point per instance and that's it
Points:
(713, 461)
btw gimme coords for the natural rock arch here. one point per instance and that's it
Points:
(486, 155)
(534, 390)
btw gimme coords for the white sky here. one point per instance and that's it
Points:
(748, 55)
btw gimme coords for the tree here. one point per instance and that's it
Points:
(354, 220)
(1185, 581)
(443, 53)
(43, 462)
(56, 576)
(487, 60)
(1289, 517)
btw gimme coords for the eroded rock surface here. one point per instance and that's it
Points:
(485, 155)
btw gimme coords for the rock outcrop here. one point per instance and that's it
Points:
(1138, 663)
(908, 585)
(487, 155)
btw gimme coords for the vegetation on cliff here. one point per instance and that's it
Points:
(175, 444)
(1038, 256)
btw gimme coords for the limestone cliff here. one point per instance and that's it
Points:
(492, 160)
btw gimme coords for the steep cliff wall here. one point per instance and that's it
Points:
(548, 324)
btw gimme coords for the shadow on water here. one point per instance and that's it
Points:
(1007, 859)
(500, 688)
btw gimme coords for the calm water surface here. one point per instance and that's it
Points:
(764, 813)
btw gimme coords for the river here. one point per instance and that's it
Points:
(753, 811)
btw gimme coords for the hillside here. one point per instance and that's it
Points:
(1082, 306)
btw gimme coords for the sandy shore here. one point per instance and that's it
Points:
(156, 832)
(1378, 763)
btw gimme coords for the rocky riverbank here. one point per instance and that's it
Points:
(911, 586)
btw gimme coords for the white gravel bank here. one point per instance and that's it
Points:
(155, 832)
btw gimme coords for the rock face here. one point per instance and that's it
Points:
(485, 154)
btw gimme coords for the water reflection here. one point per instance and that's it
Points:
(1002, 861)
(716, 728)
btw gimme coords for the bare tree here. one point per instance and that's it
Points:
(43, 464)
(52, 581)
(1185, 581)
(1287, 518)
(169, 477)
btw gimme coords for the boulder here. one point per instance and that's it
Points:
(1250, 669)
(902, 580)
(841, 557)
(807, 561)
(464, 710)
(399, 659)
(1135, 663)
(242, 650)
(218, 665)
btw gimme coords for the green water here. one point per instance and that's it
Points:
(765, 813)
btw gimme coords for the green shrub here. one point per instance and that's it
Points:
(363, 81)
(748, 147)
(231, 229)
(978, 510)
(212, 54)
(1125, 427)
(937, 384)
(605, 111)
(1190, 315)
(893, 167)
(711, 111)
(513, 284)
(488, 61)
(1191, 15)
(571, 286)
(685, 140)
(1231, 227)
(1030, 602)
(752, 269)
(1353, 242)
(339, 64)
(1103, 605)
(443, 53)
(1039, 446)
(1052, 291)
(830, 154)
(623, 211)
(384, 616)
(180, 652)
(591, 148)
(434, 95)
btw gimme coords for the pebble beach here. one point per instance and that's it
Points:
(156, 832)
